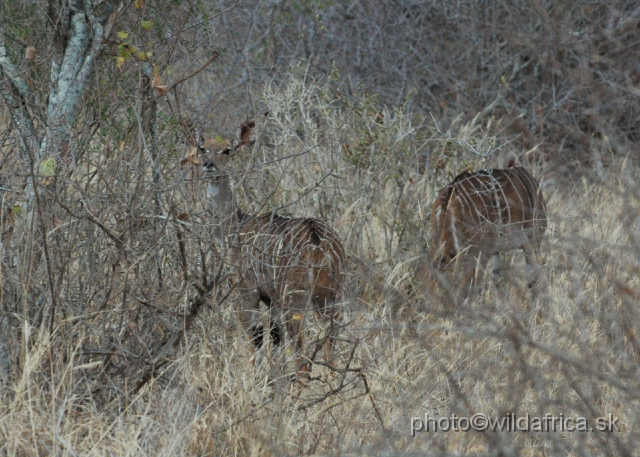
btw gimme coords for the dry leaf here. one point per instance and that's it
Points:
(183, 216)
(162, 89)
(30, 53)
(192, 157)
(156, 81)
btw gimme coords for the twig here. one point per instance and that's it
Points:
(465, 145)
(163, 310)
(190, 75)
(370, 395)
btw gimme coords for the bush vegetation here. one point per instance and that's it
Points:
(119, 332)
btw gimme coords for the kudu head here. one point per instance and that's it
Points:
(214, 155)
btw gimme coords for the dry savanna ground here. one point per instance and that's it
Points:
(69, 385)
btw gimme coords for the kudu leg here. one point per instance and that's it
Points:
(295, 328)
(328, 312)
(275, 332)
(496, 269)
(535, 278)
(274, 319)
(250, 307)
(473, 264)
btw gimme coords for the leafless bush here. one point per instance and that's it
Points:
(558, 75)
(119, 329)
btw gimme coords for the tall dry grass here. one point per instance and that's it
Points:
(68, 386)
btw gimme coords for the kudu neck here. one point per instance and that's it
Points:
(227, 216)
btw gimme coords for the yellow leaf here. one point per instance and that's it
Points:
(17, 209)
(147, 25)
(119, 62)
(48, 167)
(142, 56)
(123, 35)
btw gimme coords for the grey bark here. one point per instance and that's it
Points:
(45, 128)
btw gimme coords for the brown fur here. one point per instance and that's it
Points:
(287, 263)
(483, 213)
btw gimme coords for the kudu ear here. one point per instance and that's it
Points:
(246, 136)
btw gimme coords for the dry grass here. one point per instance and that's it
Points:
(573, 353)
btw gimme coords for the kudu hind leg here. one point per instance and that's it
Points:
(274, 327)
(496, 269)
(473, 265)
(535, 278)
(275, 332)
(250, 302)
(330, 313)
(295, 328)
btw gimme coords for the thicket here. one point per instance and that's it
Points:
(118, 329)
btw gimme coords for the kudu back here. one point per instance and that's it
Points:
(483, 213)
(286, 263)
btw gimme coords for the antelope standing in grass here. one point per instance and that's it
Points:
(483, 213)
(287, 263)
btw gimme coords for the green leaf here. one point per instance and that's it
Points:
(146, 25)
(48, 167)
(125, 53)
(123, 35)
(17, 209)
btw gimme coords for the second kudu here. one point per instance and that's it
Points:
(483, 213)
(286, 263)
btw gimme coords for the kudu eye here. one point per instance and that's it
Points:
(225, 151)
